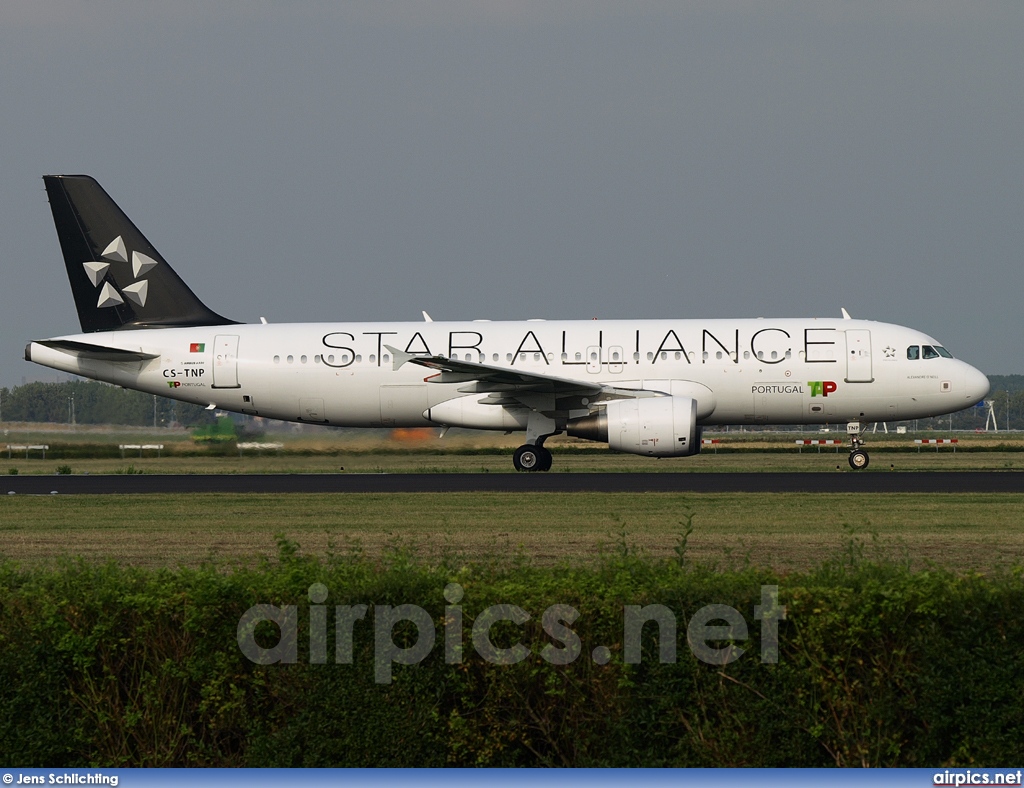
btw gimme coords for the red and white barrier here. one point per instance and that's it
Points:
(819, 442)
(936, 442)
(711, 442)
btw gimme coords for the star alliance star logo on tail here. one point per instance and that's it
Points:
(97, 271)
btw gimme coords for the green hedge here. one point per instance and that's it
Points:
(114, 666)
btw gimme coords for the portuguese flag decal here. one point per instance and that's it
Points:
(197, 347)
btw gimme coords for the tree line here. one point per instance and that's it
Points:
(92, 402)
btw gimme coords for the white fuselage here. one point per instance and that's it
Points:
(787, 371)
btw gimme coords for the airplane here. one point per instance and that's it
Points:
(645, 387)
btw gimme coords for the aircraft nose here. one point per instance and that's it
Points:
(976, 385)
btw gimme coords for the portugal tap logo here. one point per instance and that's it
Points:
(822, 388)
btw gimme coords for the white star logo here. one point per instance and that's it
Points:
(116, 252)
(890, 352)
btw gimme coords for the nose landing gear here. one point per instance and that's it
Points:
(858, 457)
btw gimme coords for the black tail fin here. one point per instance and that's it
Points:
(118, 279)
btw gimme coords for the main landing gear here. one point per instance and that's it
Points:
(530, 457)
(858, 457)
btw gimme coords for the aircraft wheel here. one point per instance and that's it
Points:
(545, 459)
(858, 459)
(528, 458)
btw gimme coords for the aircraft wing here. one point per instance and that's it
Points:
(511, 386)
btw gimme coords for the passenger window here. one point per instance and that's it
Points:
(929, 351)
(913, 352)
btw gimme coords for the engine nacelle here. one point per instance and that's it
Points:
(652, 426)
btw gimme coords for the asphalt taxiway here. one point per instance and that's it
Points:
(838, 482)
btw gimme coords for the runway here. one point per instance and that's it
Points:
(839, 482)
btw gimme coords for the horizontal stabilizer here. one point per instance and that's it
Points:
(93, 352)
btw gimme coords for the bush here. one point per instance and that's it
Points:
(114, 666)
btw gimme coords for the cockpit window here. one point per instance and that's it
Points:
(943, 352)
(929, 351)
(913, 352)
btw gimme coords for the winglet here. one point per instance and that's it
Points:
(846, 315)
(398, 357)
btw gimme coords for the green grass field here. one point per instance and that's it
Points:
(566, 460)
(784, 531)
(320, 450)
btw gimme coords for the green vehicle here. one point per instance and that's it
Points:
(222, 431)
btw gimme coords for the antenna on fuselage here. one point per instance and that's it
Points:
(846, 315)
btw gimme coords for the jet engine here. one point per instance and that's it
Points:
(652, 426)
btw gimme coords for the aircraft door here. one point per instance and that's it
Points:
(616, 358)
(858, 356)
(225, 362)
(598, 358)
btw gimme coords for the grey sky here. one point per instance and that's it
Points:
(362, 161)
